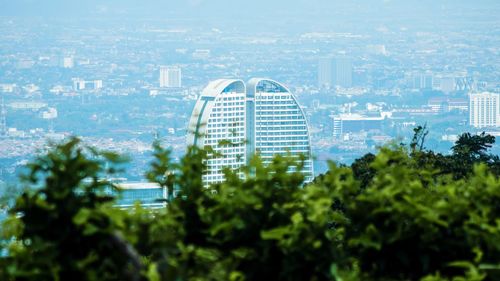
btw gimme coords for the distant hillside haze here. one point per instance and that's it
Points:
(237, 8)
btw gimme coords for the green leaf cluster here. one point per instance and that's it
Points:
(400, 214)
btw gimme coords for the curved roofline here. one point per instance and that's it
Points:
(254, 82)
(216, 87)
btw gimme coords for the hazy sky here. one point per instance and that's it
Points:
(229, 8)
(270, 15)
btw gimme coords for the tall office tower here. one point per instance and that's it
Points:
(325, 72)
(484, 110)
(238, 123)
(423, 81)
(276, 125)
(170, 77)
(342, 72)
(218, 121)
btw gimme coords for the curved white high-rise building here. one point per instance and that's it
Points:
(218, 121)
(238, 122)
(276, 124)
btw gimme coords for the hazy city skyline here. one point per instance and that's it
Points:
(93, 68)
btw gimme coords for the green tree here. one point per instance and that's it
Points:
(62, 226)
(473, 147)
(363, 170)
(418, 140)
(408, 224)
(401, 214)
(263, 225)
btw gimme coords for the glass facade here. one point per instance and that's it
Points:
(237, 123)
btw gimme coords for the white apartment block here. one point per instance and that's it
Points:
(484, 110)
(170, 77)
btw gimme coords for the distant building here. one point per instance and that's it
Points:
(238, 122)
(15, 133)
(25, 63)
(334, 72)
(170, 77)
(31, 88)
(97, 84)
(80, 84)
(466, 83)
(50, 113)
(342, 72)
(422, 81)
(7, 88)
(377, 50)
(445, 104)
(201, 54)
(32, 105)
(3, 119)
(148, 195)
(355, 123)
(68, 62)
(458, 104)
(447, 84)
(325, 78)
(484, 110)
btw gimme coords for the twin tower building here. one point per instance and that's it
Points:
(239, 120)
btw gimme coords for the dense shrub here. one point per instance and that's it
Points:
(408, 224)
(401, 214)
(62, 228)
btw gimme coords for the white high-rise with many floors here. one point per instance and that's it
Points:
(170, 77)
(263, 118)
(484, 110)
(276, 124)
(218, 121)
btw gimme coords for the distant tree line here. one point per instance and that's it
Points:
(405, 213)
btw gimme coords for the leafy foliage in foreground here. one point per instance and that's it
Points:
(63, 228)
(398, 215)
